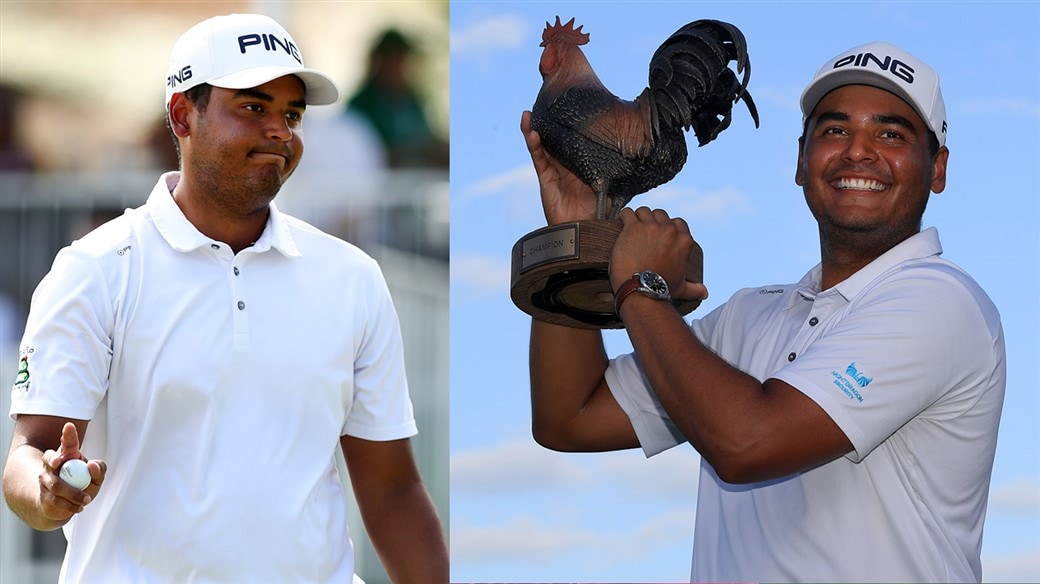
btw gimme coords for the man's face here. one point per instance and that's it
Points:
(864, 165)
(247, 142)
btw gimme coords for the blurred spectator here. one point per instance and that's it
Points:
(13, 155)
(11, 320)
(390, 101)
(338, 183)
(162, 150)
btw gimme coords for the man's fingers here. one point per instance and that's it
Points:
(659, 216)
(61, 507)
(69, 441)
(691, 291)
(52, 459)
(533, 142)
(645, 214)
(97, 470)
(531, 138)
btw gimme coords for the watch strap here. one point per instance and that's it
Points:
(624, 290)
(636, 284)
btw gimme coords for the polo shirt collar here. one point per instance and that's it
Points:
(918, 246)
(184, 237)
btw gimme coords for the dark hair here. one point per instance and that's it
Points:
(199, 95)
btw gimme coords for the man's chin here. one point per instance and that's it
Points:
(262, 190)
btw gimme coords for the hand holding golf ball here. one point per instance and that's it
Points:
(74, 472)
(67, 462)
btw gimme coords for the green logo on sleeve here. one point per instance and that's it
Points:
(22, 379)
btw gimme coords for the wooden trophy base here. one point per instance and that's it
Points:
(559, 274)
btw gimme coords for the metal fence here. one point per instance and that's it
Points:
(405, 228)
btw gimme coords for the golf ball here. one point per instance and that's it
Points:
(75, 473)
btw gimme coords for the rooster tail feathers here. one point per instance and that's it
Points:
(691, 84)
(750, 103)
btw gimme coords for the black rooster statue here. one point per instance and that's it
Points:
(624, 148)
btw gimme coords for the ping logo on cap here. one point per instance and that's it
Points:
(894, 66)
(179, 77)
(270, 43)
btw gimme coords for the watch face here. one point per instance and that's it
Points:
(655, 283)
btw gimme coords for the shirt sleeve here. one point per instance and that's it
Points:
(66, 349)
(926, 339)
(632, 390)
(381, 409)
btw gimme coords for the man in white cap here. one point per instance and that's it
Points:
(220, 352)
(846, 422)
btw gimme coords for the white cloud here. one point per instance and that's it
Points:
(523, 465)
(517, 502)
(545, 539)
(671, 475)
(515, 189)
(490, 34)
(515, 180)
(522, 537)
(1016, 497)
(480, 276)
(719, 205)
(676, 524)
(1017, 567)
(514, 467)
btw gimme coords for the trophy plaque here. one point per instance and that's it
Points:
(559, 274)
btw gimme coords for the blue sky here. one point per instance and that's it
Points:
(521, 513)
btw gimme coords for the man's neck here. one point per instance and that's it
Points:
(844, 254)
(238, 230)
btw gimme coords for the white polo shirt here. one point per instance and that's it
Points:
(907, 357)
(217, 388)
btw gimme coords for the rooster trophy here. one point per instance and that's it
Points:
(620, 149)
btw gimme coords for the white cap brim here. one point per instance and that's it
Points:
(320, 88)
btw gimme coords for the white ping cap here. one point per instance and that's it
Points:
(886, 67)
(239, 51)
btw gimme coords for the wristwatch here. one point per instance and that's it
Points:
(647, 283)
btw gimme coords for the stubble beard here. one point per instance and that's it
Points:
(243, 195)
(861, 232)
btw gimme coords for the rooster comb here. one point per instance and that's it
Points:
(564, 32)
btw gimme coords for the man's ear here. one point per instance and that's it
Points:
(798, 178)
(179, 109)
(939, 170)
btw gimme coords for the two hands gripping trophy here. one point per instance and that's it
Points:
(594, 152)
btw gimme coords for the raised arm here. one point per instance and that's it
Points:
(572, 408)
(748, 431)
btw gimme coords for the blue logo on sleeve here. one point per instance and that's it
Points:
(860, 378)
(851, 381)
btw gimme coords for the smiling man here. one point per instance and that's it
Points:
(220, 352)
(846, 422)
